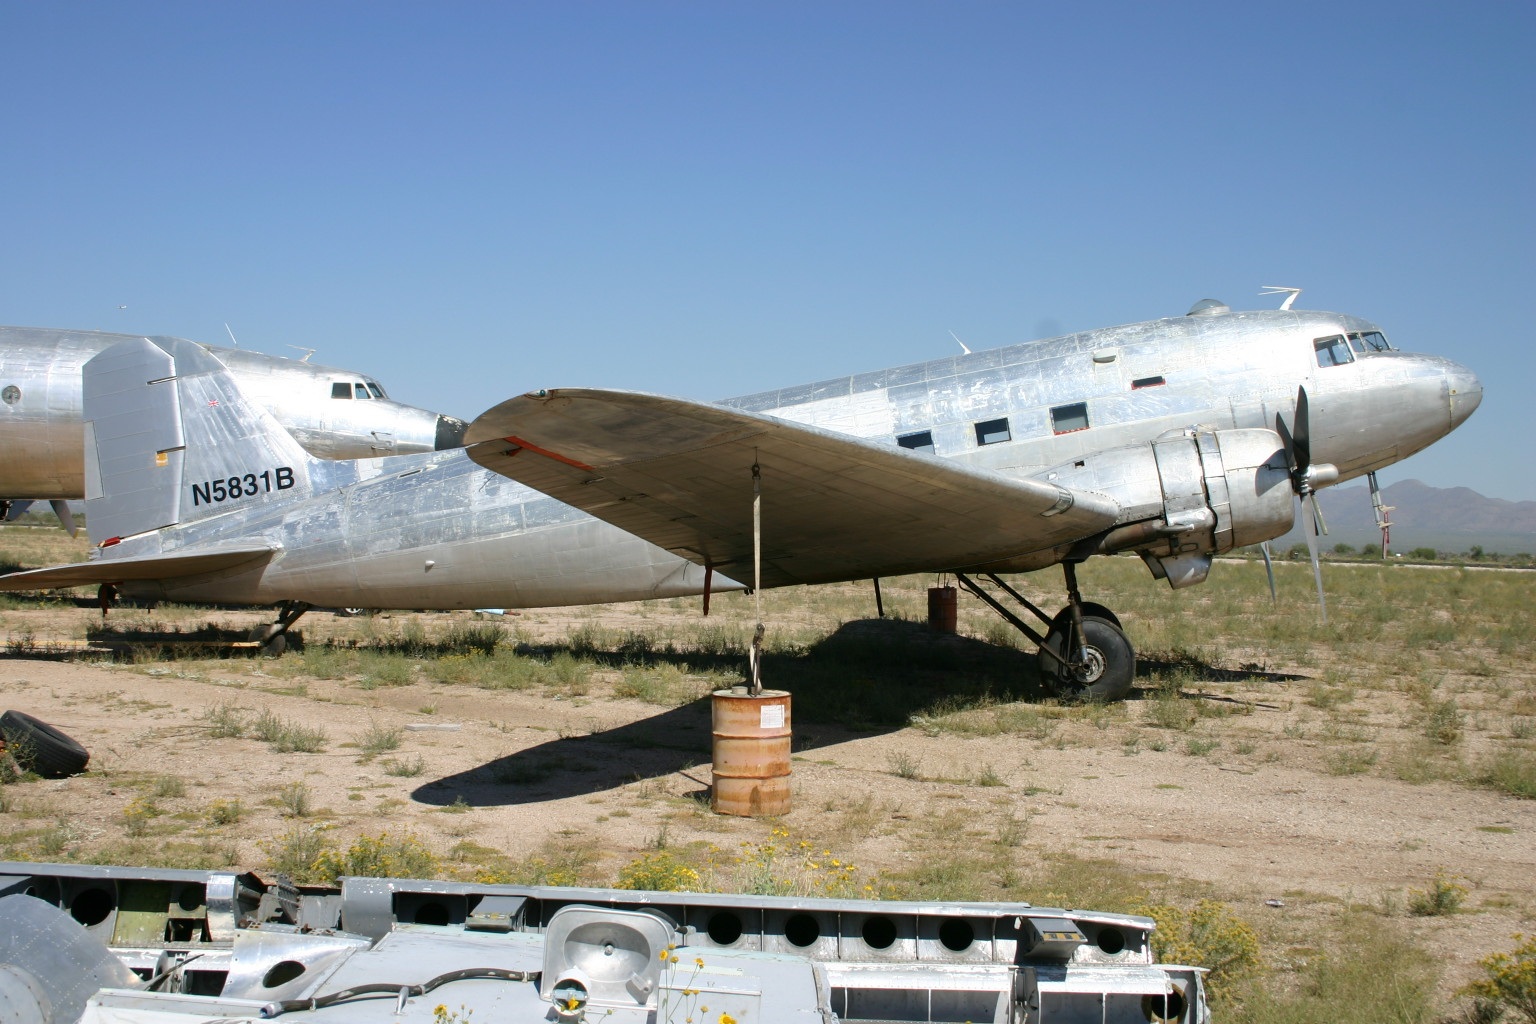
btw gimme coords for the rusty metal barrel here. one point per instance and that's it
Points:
(943, 604)
(751, 753)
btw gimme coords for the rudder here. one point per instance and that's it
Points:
(142, 401)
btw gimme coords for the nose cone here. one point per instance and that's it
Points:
(1465, 393)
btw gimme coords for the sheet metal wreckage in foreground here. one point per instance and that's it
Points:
(103, 945)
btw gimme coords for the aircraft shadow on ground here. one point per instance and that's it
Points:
(869, 677)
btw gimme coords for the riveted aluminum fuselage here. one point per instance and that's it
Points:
(438, 531)
(41, 438)
(1220, 370)
(424, 531)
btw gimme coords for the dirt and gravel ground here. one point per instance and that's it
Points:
(1251, 803)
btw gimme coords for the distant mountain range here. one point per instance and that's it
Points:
(1451, 519)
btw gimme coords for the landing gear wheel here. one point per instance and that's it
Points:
(276, 646)
(1101, 669)
(1098, 611)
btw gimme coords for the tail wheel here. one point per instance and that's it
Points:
(1101, 669)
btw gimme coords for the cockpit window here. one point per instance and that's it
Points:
(378, 392)
(341, 389)
(360, 390)
(1333, 351)
(1364, 342)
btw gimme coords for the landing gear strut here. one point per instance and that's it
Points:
(1084, 654)
(273, 636)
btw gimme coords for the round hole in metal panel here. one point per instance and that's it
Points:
(879, 932)
(802, 930)
(190, 898)
(430, 913)
(91, 906)
(1163, 1007)
(724, 928)
(1110, 939)
(957, 934)
(282, 972)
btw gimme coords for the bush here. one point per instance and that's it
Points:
(1444, 896)
(1511, 772)
(1209, 936)
(659, 871)
(1509, 979)
(381, 856)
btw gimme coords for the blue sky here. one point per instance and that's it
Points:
(471, 200)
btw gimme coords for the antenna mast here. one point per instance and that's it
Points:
(1280, 289)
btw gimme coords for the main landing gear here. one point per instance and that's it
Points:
(1084, 654)
(273, 636)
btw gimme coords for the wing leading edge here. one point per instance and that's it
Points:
(679, 474)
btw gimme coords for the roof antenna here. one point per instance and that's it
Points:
(952, 334)
(231, 335)
(1280, 289)
(307, 352)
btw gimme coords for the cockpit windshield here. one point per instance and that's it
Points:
(1332, 351)
(1366, 342)
(378, 392)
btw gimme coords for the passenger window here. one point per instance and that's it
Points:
(1332, 351)
(341, 390)
(922, 441)
(993, 431)
(361, 391)
(1067, 418)
(378, 392)
(1147, 382)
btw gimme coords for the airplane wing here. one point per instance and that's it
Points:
(221, 561)
(834, 507)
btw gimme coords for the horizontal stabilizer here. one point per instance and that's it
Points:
(215, 562)
(834, 507)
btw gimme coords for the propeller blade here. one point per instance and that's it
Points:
(1318, 523)
(1302, 438)
(1269, 570)
(1288, 444)
(61, 509)
(1317, 566)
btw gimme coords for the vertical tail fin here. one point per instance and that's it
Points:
(169, 439)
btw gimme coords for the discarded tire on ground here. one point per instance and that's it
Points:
(39, 747)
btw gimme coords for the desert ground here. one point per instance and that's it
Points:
(1365, 781)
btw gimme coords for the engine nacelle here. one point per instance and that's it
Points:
(1189, 495)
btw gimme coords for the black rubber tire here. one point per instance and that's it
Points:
(39, 747)
(1098, 611)
(1114, 663)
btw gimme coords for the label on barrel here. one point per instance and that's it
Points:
(771, 716)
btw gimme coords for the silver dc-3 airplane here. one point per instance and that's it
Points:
(334, 413)
(1178, 439)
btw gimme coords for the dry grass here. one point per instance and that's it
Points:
(1421, 677)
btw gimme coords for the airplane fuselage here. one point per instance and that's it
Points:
(333, 413)
(1223, 370)
(438, 531)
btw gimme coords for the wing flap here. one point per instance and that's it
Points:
(223, 561)
(835, 507)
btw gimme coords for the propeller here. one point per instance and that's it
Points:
(1269, 570)
(1305, 479)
